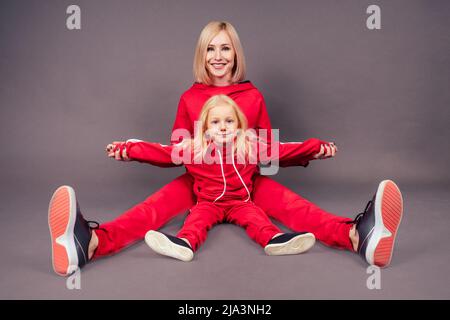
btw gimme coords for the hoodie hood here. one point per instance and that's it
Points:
(245, 94)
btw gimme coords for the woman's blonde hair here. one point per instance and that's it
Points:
(211, 30)
(242, 146)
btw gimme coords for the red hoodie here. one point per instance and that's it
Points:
(245, 94)
(247, 97)
(222, 180)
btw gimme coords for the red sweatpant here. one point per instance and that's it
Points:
(177, 197)
(204, 215)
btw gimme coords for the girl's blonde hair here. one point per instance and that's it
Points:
(211, 30)
(242, 146)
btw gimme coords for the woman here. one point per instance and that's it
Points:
(219, 68)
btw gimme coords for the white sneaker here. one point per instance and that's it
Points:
(290, 243)
(168, 245)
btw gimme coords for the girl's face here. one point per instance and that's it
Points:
(222, 124)
(220, 59)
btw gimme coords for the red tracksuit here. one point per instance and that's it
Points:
(273, 198)
(223, 188)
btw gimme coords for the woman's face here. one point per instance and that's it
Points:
(220, 58)
(222, 124)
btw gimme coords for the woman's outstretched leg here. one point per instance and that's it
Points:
(371, 234)
(174, 198)
(299, 214)
(75, 241)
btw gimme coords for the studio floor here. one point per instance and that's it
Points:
(228, 265)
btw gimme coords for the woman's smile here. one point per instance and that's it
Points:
(218, 66)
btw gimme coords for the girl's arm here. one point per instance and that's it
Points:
(291, 153)
(149, 152)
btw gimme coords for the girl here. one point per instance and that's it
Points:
(224, 184)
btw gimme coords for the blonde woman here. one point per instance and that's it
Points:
(219, 68)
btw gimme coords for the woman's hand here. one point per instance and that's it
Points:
(326, 151)
(113, 150)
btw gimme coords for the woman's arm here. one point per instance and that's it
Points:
(263, 119)
(182, 122)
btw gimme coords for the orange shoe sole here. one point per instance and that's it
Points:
(391, 207)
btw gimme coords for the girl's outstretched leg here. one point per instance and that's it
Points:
(201, 218)
(259, 228)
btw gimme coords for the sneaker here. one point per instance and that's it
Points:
(290, 243)
(168, 245)
(70, 232)
(377, 226)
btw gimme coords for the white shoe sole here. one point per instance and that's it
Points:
(62, 214)
(388, 215)
(296, 245)
(159, 243)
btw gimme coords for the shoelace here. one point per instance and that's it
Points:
(361, 214)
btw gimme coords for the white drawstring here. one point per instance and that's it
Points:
(223, 176)
(225, 180)
(232, 160)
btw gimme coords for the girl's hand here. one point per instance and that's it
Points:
(326, 151)
(113, 151)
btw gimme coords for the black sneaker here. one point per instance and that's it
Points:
(377, 226)
(168, 245)
(290, 243)
(69, 231)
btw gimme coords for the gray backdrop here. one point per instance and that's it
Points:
(382, 95)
